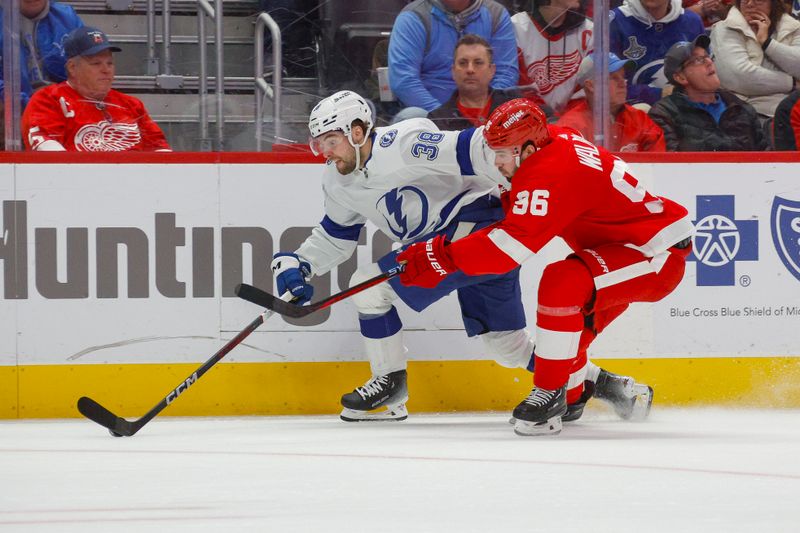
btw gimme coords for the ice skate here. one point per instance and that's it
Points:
(575, 410)
(381, 398)
(630, 400)
(540, 413)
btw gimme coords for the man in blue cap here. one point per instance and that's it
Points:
(84, 113)
(631, 129)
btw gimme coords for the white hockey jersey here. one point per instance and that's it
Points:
(414, 183)
(549, 63)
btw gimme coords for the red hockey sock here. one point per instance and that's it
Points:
(564, 290)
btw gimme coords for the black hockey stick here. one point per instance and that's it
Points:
(273, 303)
(119, 427)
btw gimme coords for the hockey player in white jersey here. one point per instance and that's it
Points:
(413, 182)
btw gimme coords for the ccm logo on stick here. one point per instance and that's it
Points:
(180, 389)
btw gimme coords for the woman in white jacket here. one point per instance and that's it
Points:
(757, 53)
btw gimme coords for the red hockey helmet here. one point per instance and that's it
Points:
(516, 122)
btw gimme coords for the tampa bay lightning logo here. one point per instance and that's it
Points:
(388, 138)
(405, 210)
(651, 74)
(785, 222)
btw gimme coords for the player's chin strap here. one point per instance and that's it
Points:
(521, 149)
(358, 146)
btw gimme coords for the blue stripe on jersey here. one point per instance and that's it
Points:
(444, 214)
(462, 152)
(347, 233)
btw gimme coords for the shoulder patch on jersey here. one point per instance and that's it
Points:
(635, 50)
(388, 138)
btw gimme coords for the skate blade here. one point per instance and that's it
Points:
(642, 401)
(396, 413)
(551, 427)
(513, 420)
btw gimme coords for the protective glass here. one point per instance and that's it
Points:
(315, 53)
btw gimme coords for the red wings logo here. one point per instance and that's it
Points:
(107, 137)
(552, 71)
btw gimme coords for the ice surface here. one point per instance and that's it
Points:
(681, 471)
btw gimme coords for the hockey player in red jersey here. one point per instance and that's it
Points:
(84, 114)
(628, 246)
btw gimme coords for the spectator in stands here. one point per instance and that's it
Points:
(786, 127)
(473, 100)
(698, 115)
(43, 26)
(709, 11)
(423, 39)
(552, 40)
(643, 30)
(84, 113)
(757, 51)
(631, 130)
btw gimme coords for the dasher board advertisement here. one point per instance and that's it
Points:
(138, 263)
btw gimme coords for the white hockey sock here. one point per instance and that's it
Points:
(592, 371)
(512, 349)
(387, 354)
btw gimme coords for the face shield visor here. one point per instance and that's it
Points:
(503, 156)
(326, 142)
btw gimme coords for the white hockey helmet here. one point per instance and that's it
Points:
(337, 112)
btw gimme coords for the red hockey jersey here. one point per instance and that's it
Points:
(59, 118)
(583, 194)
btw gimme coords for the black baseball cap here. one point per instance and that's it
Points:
(87, 41)
(679, 52)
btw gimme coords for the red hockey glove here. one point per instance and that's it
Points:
(427, 263)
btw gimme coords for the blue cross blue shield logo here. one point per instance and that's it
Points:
(721, 240)
(785, 222)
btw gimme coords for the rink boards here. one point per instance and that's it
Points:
(118, 281)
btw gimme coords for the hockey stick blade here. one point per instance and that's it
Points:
(119, 427)
(97, 413)
(273, 303)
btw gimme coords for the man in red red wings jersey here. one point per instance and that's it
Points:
(84, 114)
(628, 246)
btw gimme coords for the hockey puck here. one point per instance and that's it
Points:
(114, 433)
